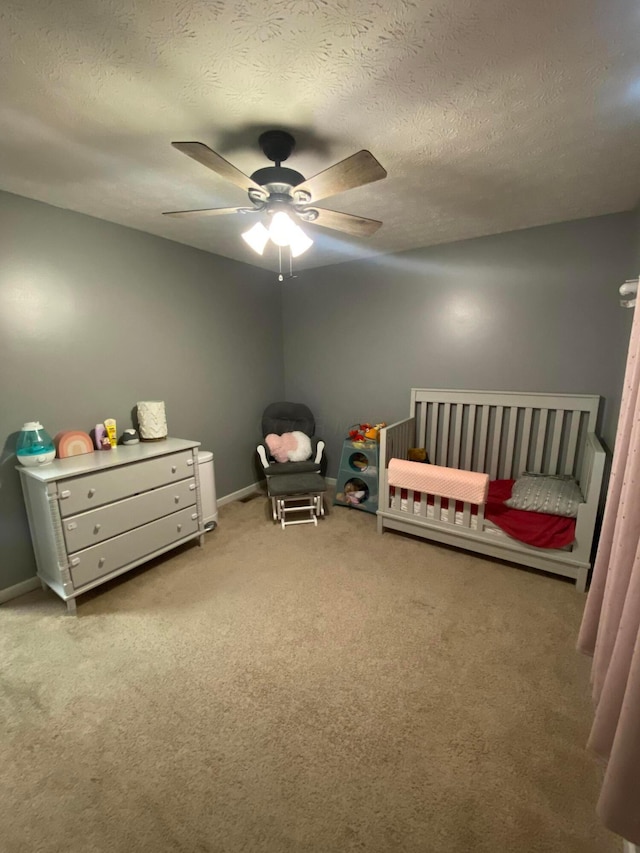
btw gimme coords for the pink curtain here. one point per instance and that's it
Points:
(611, 626)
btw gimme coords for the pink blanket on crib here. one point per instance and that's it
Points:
(436, 480)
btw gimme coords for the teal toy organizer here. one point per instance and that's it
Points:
(357, 481)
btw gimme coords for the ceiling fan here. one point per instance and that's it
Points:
(286, 196)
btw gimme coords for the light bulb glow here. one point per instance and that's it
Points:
(281, 228)
(283, 231)
(256, 237)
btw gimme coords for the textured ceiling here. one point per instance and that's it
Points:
(488, 116)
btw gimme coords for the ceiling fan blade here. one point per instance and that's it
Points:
(203, 154)
(209, 211)
(356, 226)
(359, 169)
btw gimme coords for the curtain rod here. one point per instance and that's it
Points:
(628, 293)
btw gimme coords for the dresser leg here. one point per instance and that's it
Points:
(71, 607)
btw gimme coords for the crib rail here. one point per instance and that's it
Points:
(422, 506)
(504, 434)
(395, 441)
(590, 481)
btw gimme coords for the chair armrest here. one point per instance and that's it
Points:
(262, 453)
(319, 451)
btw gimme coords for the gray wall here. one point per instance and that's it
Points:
(636, 241)
(94, 317)
(532, 310)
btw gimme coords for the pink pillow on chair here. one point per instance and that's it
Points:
(289, 447)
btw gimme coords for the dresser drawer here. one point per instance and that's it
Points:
(89, 528)
(115, 553)
(79, 494)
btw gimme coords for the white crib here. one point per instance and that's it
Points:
(501, 434)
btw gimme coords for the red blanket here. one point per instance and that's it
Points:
(533, 528)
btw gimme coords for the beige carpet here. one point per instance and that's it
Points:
(314, 690)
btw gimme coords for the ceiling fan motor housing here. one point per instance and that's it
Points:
(276, 145)
(277, 175)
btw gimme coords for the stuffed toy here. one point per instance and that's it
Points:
(368, 432)
(355, 498)
(355, 492)
(289, 447)
(373, 432)
(418, 454)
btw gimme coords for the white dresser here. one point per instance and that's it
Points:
(95, 516)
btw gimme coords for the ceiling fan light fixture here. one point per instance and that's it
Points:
(256, 237)
(299, 242)
(281, 229)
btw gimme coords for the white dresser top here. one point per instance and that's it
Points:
(104, 459)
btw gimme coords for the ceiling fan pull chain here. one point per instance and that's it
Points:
(280, 276)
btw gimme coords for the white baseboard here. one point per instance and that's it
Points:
(330, 480)
(19, 589)
(241, 493)
(630, 848)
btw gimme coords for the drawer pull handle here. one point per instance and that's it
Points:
(194, 515)
(75, 561)
(173, 469)
(192, 487)
(72, 525)
(97, 528)
(64, 494)
(179, 528)
(91, 493)
(190, 462)
(101, 562)
(177, 499)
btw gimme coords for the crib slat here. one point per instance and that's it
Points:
(573, 442)
(444, 447)
(457, 435)
(423, 505)
(433, 432)
(555, 442)
(495, 450)
(468, 454)
(507, 469)
(421, 426)
(437, 507)
(410, 500)
(480, 517)
(466, 514)
(482, 449)
(523, 455)
(542, 431)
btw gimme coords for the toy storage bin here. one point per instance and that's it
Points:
(358, 472)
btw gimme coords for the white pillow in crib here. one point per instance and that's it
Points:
(553, 494)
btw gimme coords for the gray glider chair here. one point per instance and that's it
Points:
(295, 488)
